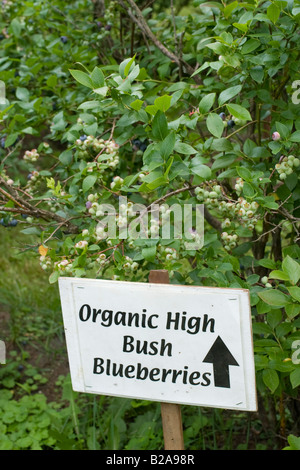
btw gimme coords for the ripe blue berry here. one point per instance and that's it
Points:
(231, 123)
(222, 116)
(143, 146)
(13, 223)
(64, 39)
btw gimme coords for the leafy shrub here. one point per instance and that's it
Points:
(143, 122)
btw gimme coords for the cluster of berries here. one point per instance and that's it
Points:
(109, 16)
(239, 185)
(244, 211)
(116, 183)
(232, 121)
(102, 259)
(5, 5)
(286, 166)
(89, 146)
(138, 145)
(53, 204)
(230, 241)
(6, 178)
(94, 208)
(209, 196)
(165, 253)
(45, 263)
(234, 213)
(31, 155)
(8, 222)
(130, 265)
(265, 281)
(32, 179)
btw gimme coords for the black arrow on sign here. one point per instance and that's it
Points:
(221, 358)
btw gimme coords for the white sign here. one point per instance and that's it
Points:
(161, 342)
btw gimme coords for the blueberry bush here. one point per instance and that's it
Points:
(165, 103)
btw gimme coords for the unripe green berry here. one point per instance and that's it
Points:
(296, 162)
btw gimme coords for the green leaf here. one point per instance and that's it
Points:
(229, 8)
(82, 78)
(244, 173)
(248, 190)
(149, 253)
(66, 157)
(228, 94)
(223, 162)
(54, 277)
(52, 81)
(186, 149)
(267, 263)
(167, 145)
(97, 78)
(294, 442)
(215, 125)
(278, 275)
(239, 112)
(136, 105)
(295, 137)
(222, 145)
(124, 66)
(274, 297)
(292, 269)
(295, 292)
(102, 91)
(271, 379)
(295, 378)
(250, 46)
(88, 182)
(22, 94)
(16, 27)
(292, 310)
(11, 139)
(273, 12)
(159, 126)
(128, 66)
(274, 317)
(206, 103)
(257, 73)
(201, 170)
(282, 129)
(160, 181)
(163, 102)
(241, 26)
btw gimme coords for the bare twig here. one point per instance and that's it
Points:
(24, 207)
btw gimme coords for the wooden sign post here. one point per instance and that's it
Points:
(170, 412)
